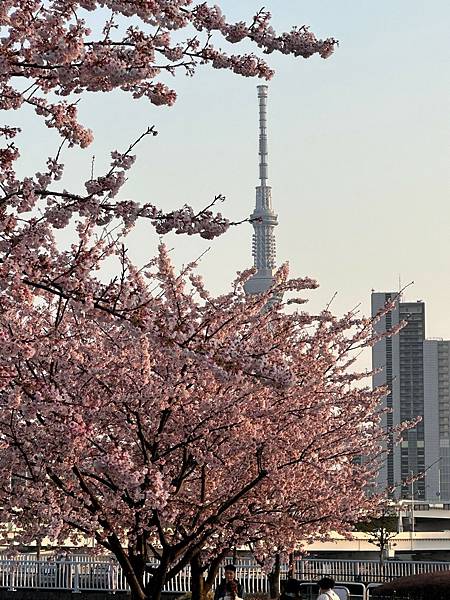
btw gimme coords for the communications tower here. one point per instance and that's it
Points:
(264, 219)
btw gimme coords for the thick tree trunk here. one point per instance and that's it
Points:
(154, 589)
(199, 588)
(137, 580)
(274, 578)
(132, 566)
(202, 585)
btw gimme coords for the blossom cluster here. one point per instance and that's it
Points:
(53, 47)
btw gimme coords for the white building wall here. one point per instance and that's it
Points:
(431, 420)
(444, 417)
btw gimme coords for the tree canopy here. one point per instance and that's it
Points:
(142, 411)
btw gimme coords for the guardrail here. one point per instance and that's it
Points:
(84, 573)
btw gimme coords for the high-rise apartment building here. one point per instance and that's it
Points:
(400, 360)
(436, 355)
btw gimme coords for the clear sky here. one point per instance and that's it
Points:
(358, 153)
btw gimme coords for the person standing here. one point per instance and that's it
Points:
(229, 588)
(326, 585)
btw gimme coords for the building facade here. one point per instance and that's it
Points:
(400, 361)
(437, 413)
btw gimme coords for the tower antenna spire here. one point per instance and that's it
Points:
(263, 150)
(263, 218)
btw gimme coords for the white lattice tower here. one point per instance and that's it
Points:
(263, 217)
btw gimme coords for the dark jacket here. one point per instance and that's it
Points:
(290, 589)
(221, 589)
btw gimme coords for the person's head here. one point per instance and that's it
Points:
(230, 572)
(325, 584)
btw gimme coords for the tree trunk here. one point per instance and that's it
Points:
(199, 589)
(274, 578)
(137, 591)
(291, 571)
(382, 546)
(133, 569)
(155, 586)
(382, 554)
(202, 585)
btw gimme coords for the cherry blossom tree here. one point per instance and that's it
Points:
(167, 424)
(174, 424)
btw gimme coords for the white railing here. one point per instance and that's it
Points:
(62, 575)
(366, 571)
(85, 572)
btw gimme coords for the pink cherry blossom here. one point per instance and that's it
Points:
(150, 414)
(141, 410)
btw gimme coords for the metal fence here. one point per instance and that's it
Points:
(84, 572)
(62, 575)
(365, 571)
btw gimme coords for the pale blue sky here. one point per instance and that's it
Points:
(358, 153)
